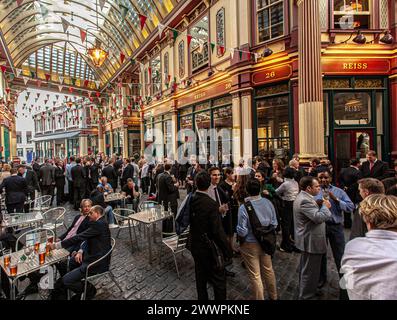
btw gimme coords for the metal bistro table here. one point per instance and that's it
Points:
(22, 219)
(115, 197)
(150, 217)
(30, 266)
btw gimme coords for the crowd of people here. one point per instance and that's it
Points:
(311, 207)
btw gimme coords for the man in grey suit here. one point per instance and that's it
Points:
(47, 179)
(310, 236)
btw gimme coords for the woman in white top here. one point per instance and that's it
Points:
(369, 263)
(288, 191)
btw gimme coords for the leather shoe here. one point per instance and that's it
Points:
(230, 273)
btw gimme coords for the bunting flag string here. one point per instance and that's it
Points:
(142, 20)
(65, 24)
(83, 35)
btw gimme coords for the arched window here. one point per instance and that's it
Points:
(220, 31)
(181, 58)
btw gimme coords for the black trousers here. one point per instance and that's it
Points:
(78, 194)
(48, 190)
(168, 227)
(15, 207)
(71, 191)
(145, 184)
(286, 217)
(205, 274)
(60, 193)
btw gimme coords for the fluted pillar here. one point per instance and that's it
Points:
(311, 108)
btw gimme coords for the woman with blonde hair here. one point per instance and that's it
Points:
(5, 173)
(370, 263)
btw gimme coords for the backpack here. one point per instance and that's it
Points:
(182, 220)
(265, 235)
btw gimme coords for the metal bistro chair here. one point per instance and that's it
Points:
(41, 204)
(54, 218)
(177, 244)
(124, 221)
(109, 272)
(31, 235)
(144, 205)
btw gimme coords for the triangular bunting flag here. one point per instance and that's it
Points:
(124, 11)
(44, 11)
(47, 77)
(83, 35)
(98, 94)
(60, 87)
(122, 57)
(130, 85)
(45, 102)
(57, 96)
(175, 34)
(102, 4)
(221, 50)
(25, 80)
(212, 47)
(97, 83)
(161, 28)
(89, 94)
(189, 40)
(61, 78)
(256, 55)
(248, 55)
(240, 54)
(39, 83)
(38, 95)
(19, 2)
(201, 46)
(232, 53)
(142, 19)
(74, 81)
(86, 83)
(3, 69)
(65, 24)
(150, 73)
(19, 71)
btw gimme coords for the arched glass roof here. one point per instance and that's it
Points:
(34, 34)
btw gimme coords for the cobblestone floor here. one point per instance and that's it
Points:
(141, 281)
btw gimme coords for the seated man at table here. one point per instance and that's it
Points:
(130, 191)
(79, 225)
(107, 187)
(96, 243)
(97, 197)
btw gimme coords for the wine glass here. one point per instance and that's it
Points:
(28, 251)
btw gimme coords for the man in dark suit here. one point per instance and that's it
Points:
(392, 181)
(348, 180)
(205, 220)
(374, 168)
(95, 243)
(168, 193)
(16, 191)
(60, 182)
(31, 181)
(110, 173)
(191, 173)
(78, 176)
(127, 173)
(118, 164)
(36, 166)
(93, 176)
(47, 179)
(79, 224)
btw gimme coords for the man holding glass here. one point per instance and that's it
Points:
(95, 243)
(340, 202)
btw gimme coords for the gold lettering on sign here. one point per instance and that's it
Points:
(228, 85)
(270, 75)
(355, 66)
(200, 95)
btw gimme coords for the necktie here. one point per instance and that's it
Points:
(371, 165)
(217, 196)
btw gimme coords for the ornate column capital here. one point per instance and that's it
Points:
(299, 2)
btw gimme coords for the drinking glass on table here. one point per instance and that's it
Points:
(28, 251)
(7, 257)
(13, 268)
(42, 256)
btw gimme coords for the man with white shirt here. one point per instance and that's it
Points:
(288, 191)
(145, 180)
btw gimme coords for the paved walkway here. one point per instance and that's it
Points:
(139, 280)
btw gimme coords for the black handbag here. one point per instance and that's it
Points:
(216, 253)
(265, 235)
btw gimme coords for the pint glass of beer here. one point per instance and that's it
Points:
(37, 246)
(13, 269)
(7, 260)
(42, 257)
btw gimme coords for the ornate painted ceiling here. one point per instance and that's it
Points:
(45, 37)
